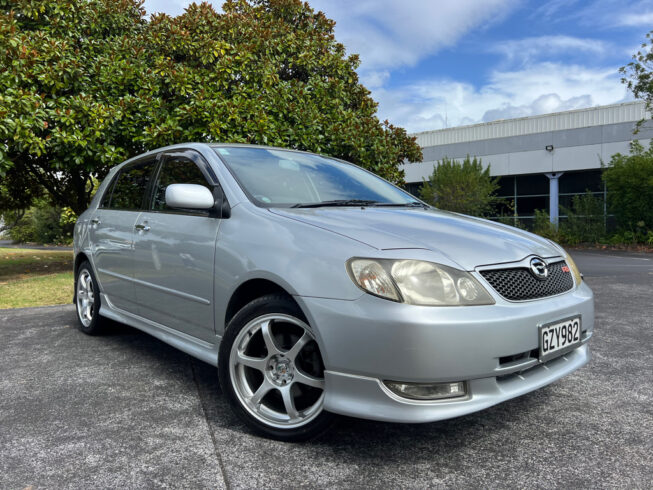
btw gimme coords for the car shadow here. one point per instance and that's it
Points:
(365, 440)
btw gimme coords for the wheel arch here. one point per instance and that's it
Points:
(249, 291)
(79, 258)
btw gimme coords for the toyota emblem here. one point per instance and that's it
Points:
(539, 269)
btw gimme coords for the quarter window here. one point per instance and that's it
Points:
(129, 190)
(106, 199)
(175, 170)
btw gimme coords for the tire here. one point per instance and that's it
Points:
(87, 301)
(271, 370)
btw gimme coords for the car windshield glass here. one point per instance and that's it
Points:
(286, 178)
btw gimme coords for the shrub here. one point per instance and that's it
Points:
(629, 180)
(43, 223)
(461, 187)
(585, 220)
(543, 226)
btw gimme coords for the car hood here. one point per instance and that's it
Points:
(465, 240)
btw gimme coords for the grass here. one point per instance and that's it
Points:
(35, 277)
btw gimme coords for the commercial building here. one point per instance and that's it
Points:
(541, 161)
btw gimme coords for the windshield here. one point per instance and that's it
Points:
(291, 179)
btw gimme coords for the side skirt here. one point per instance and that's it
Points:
(204, 351)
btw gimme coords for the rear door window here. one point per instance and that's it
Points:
(131, 186)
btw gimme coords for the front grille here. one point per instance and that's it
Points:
(518, 284)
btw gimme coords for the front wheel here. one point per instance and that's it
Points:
(272, 372)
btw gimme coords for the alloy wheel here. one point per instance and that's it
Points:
(85, 298)
(277, 372)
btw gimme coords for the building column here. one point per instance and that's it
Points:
(554, 198)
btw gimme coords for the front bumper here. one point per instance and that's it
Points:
(366, 341)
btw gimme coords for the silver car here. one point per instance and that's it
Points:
(317, 288)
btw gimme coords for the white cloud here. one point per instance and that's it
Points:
(388, 34)
(550, 9)
(636, 19)
(537, 89)
(375, 79)
(607, 14)
(531, 48)
(544, 104)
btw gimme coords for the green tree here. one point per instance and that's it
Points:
(461, 187)
(638, 74)
(88, 83)
(629, 181)
(41, 223)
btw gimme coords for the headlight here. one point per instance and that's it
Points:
(578, 277)
(372, 277)
(417, 282)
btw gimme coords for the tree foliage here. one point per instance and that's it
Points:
(88, 83)
(461, 187)
(638, 74)
(629, 181)
(41, 223)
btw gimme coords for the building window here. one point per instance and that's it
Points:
(524, 194)
(414, 188)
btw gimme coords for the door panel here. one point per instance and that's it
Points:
(112, 232)
(174, 253)
(174, 271)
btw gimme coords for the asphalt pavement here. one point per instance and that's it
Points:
(125, 410)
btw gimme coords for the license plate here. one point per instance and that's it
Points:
(558, 337)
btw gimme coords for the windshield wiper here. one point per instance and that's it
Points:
(412, 204)
(337, 202)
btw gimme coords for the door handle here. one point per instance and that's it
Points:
(142, 227)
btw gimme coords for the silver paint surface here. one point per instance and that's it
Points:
(175, 282)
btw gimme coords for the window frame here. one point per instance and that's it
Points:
(155, 159)
(108, 192)
(209, 175)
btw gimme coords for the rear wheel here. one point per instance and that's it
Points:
(272, 372)
(87, 301)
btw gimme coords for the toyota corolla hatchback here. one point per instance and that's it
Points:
(317, 288)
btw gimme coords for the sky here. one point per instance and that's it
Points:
(432, 64)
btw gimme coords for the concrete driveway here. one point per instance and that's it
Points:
(125, 410)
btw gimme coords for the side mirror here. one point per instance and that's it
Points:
(189, 196)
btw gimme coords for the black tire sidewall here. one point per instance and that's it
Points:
(272, 303)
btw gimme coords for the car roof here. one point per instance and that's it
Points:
(196, 145)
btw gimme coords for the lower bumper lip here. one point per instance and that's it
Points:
(367, 397)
